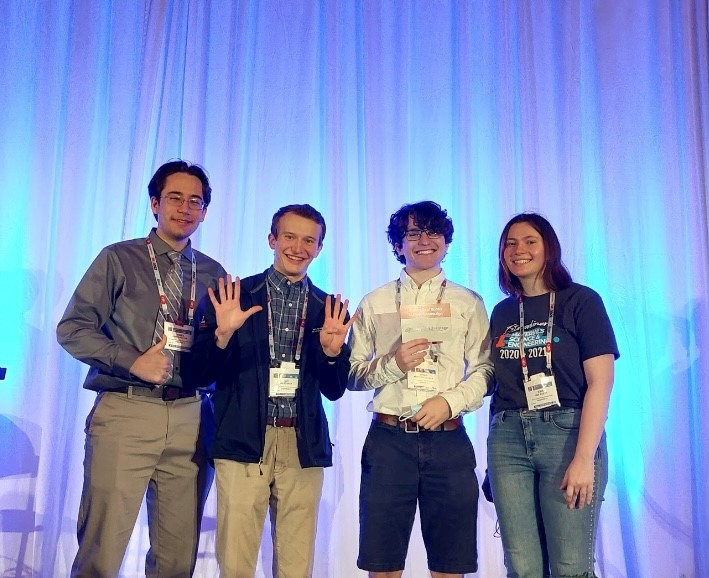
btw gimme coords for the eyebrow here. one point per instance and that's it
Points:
(296, 235)
(509, 238)
(192, 196)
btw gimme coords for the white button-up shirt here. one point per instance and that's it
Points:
(464, 362)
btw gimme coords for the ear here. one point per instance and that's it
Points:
(154, 205)
(272, 241)
(398, 249)
(203, 215)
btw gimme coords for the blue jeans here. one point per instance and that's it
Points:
(528, 453)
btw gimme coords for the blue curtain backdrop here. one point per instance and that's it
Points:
(593, 112)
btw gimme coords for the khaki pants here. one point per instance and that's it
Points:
(245, 492)
(134, 444)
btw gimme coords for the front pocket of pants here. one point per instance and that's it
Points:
(567, 420)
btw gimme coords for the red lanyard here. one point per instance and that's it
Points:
(547, 346)
(161, 290)
(398, 292)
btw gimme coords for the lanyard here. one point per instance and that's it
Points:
(435, 346)
(161, 290)
(301, 330)
(547, 344)
(398, 293)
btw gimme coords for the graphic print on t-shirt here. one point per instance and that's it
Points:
(535, 334)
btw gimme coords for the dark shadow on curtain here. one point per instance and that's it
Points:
(19, 462)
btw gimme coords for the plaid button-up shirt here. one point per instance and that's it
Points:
(287, 309)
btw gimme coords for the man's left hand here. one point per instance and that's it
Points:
(434, 411)
(335, 328)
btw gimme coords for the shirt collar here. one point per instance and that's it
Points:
(162, 248)
(433, 283)
(281, 282)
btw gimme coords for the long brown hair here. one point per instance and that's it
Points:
(555, 274)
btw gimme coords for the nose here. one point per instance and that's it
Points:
(424, 239)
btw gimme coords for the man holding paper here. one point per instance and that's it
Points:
(421, 343)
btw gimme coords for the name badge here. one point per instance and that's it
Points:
(179, 337)
(425, 375)
(283, 380)
(541, 391)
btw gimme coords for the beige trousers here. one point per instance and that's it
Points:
(133, 445)
(244, 494)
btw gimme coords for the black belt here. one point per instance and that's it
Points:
(166, 392)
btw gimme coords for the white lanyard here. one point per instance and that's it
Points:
(301, 331)
(547, 346)
(161, 290)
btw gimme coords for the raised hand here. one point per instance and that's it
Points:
(230, 316)
(153, 366)
(335, 328)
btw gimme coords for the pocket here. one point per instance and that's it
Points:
(93, 419)
(496, 419)
(567, 420)
(367, 447)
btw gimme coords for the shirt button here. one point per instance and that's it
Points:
(286, 330)
(290, 305)
(283, 354)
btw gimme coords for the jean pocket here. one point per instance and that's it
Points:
(566, 420)
(496, 419)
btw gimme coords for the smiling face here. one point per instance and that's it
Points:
(423, 255)
(177, 223)
(298, 242)
(525, 257)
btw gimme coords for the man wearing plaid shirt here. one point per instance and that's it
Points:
(281, 341)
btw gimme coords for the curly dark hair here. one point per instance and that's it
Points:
(426, 215)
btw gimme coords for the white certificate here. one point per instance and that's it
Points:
(432, 322)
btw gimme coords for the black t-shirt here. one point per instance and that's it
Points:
(581, 331)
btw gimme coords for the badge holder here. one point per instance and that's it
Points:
(541, 392)
(283, 380)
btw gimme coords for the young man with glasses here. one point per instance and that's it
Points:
(137, 318)
(283, 344)
(421, 344)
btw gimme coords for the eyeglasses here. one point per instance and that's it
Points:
(175, 200)
(415, 234)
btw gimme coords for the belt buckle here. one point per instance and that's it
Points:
(413, 430)
(170, 393)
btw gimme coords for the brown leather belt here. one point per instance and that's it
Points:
(282, 421)
(166, 392)
(411, 426)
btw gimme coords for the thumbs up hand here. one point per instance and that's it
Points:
(153, 366)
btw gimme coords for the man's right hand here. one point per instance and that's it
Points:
(230, 316)
(411, 354)
(153, 366)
